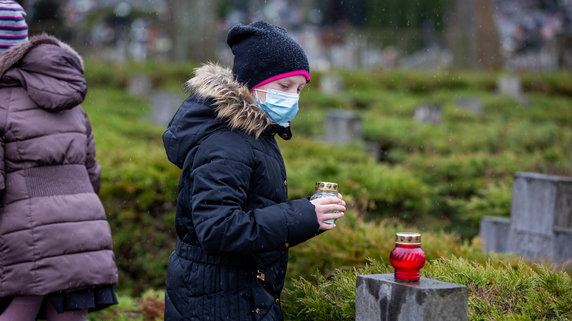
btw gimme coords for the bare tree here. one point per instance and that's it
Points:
(472, 35)
(192, 27)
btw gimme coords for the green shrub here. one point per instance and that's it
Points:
(138, 189)
(499, 289)
(369, 186)
(105, 74)
(354, 240)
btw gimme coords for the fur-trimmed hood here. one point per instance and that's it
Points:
(218, 101)
(234, 102)
(11, 56)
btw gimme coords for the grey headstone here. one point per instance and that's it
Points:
(343, 127)
(331, 84)
(472, 104)
(431, 114)
(512, 87)
(563, 255)
(164, 106)
(139, 85)
(379, 297)
(494, 233)
(540, 203)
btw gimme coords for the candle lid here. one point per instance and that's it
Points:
(326, 186)
(408, 238)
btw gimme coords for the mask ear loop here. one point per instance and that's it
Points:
(256, 93)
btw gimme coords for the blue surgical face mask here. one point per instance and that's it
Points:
(280, 106)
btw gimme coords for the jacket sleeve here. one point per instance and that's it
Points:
(93, 168)
(220, 178)
(2, 166)
(3, 115)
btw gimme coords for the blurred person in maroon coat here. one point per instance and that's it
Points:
(56, 257)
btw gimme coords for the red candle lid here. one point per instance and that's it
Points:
(408, 238)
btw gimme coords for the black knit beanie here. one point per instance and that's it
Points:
(264, 52)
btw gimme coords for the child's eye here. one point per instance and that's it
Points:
(284, 86)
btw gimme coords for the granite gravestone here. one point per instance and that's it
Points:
(540, 224)
(380, 298)
(343, 127)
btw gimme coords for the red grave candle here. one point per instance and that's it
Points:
(407, 257)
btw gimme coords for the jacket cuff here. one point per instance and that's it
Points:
(301, 222)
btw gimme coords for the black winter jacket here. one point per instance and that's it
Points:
(234, 221)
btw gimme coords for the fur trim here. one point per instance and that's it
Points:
(11, 56)
(234, 102)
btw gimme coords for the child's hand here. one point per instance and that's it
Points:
(324, 208)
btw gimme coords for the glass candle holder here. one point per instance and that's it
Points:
(407, 257)
(325, 189)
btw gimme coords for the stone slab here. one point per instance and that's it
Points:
(540, 203)
(432, 114)
(563, 251)
(494, 233)
(379, 297)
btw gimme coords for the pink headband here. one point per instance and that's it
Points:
(288, 74)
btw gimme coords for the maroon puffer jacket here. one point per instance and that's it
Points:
(54, 235)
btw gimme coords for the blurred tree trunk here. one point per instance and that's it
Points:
(488, 41)
(193, 29)
(472, 35)
(462, 34)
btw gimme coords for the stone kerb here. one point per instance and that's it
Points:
(380, 298)
(494, 233)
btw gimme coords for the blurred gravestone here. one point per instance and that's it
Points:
(545, 59)
(472, 104)
(373, 149)
(164, 106)
(512, 87)
(343, 127)
(431, 114)
(541, 219)
(429, 58)
(331, 84)
(139, 85)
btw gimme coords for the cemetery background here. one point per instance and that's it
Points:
(439, 179)
(438, 151)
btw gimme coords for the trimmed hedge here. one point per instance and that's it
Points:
(499, 289)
